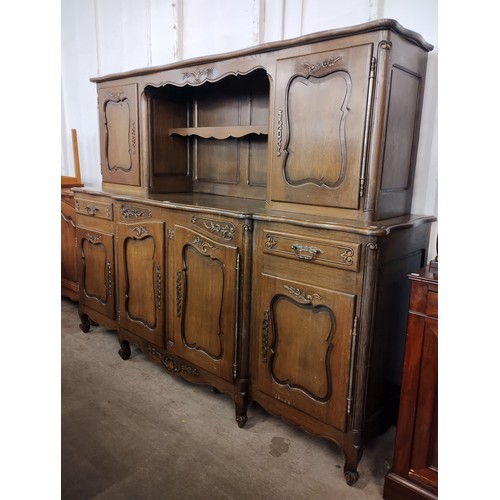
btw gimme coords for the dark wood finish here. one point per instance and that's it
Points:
(263, 240)
(414, 474)
(69, 271)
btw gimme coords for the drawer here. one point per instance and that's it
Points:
(94, 208)
(329, 253)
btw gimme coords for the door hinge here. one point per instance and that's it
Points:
(354, 341)
(237, 316)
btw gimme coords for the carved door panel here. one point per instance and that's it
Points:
(320, 118)
(205, 277)
(118, 122)
(305, 345)
(141, 263)
(96, 270)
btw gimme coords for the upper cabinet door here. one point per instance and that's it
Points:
(320, 116)
(119, 131)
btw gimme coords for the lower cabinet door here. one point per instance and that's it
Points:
(141, 262)
(205, 279)
(96, 270)
(305, 346)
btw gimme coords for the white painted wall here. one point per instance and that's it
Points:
(107, 36)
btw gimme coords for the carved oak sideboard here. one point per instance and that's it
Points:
(253, 228)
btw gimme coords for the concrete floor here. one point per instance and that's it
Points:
(132, 431)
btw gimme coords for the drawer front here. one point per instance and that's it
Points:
(329, 253)
(94, 208)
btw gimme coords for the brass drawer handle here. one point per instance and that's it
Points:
(304, 252)
(91, 209)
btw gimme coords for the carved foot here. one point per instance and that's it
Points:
(241, 420)
(124, 351)
(353, 455)
(85, 323)
(351, 476)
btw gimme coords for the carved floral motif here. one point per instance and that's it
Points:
(306, 297)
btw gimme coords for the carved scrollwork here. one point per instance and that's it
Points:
(321, 65)
(158, 286)
(347, 255)
(171, 234)
(117, 95)
(279, 133)
(270, 242)
(171, 364)
(385, 45)
(225, 230)
(178, 291)
(133, 135)
(265, 336)
(93, 238)
(139, 231)
(130, 212)
(298, 293)
(198, 74)
(109, 275)
(203, 245)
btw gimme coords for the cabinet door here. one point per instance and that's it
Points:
(96, 270)
(141, 274)
(320, 119)
(305, 344)
(119, 139)
(205, 278)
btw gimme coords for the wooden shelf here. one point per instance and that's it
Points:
(235, 131)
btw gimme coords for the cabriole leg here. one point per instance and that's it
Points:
(124, 351)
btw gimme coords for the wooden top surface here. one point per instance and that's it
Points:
(369, 27)
(243, 208)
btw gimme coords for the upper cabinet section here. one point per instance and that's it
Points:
(326, 124)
